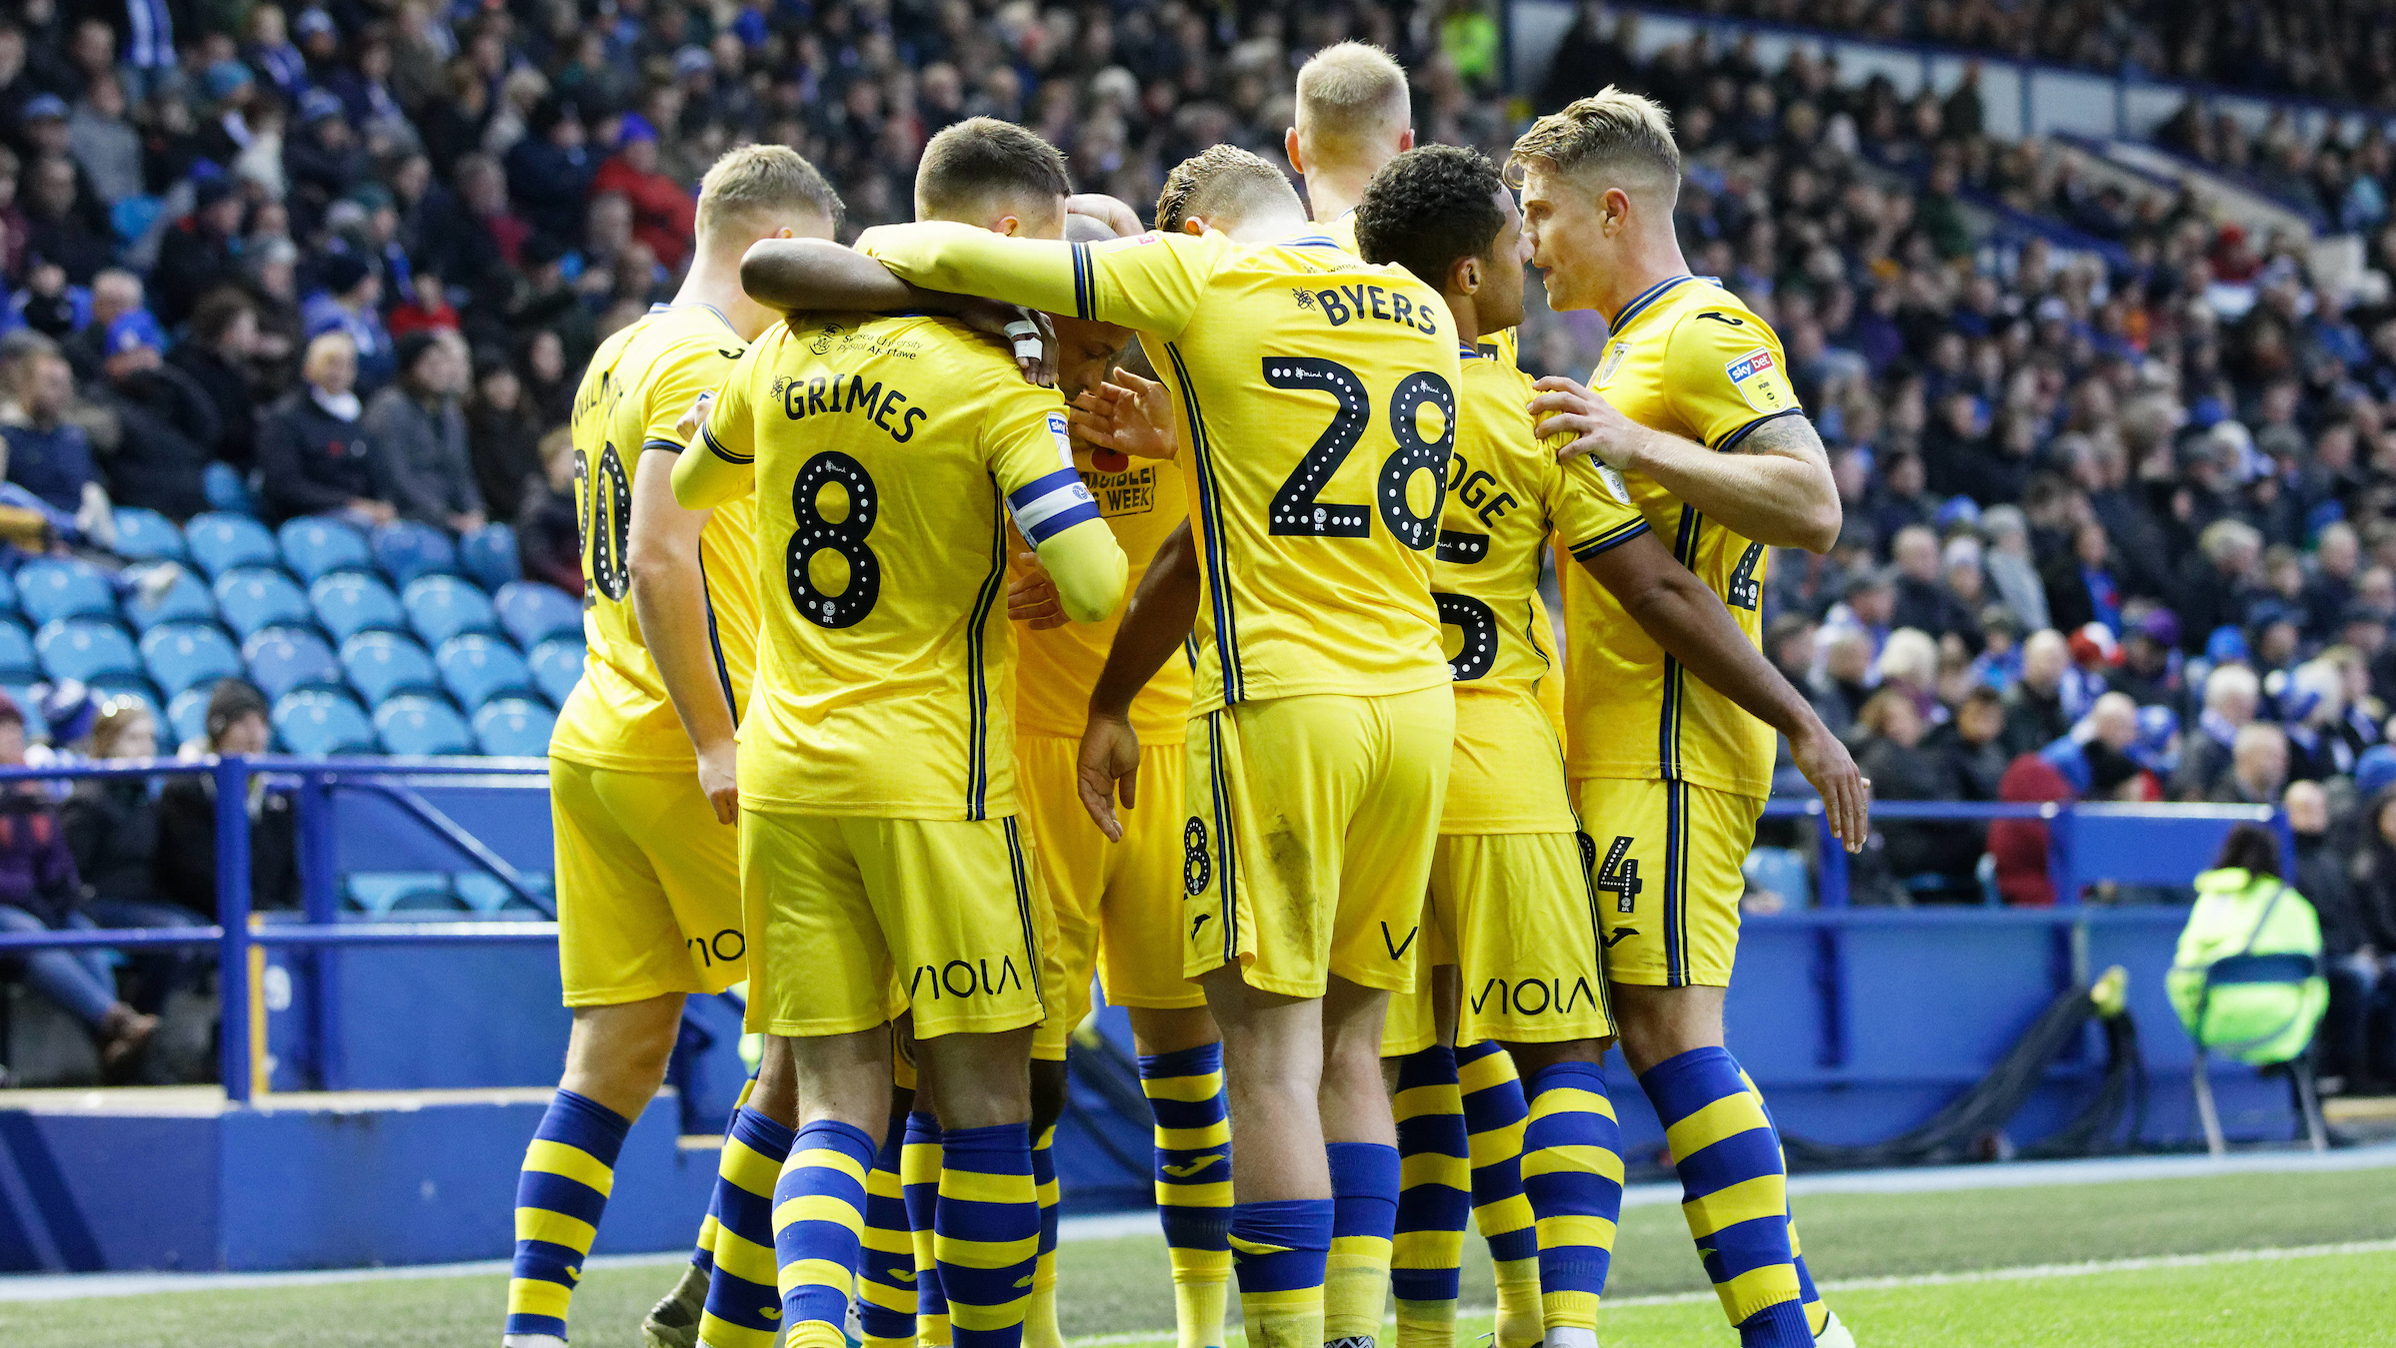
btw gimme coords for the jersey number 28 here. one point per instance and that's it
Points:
(1297, 509)
(606, 524)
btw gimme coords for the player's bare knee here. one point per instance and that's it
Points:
(984, 1080)
(1171, 1030)
(1048, 1094)
(1661, 1023)
(1531, 1059)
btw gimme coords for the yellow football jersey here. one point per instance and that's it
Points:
(639, 384)
(1506, 496)
(1689, 359)
(888, 453)
(1142, 502)
(1317, 400)
(1342, 231)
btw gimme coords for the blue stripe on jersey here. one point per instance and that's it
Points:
(707, 438)
(723, 672)
(1051, 505)
(1640, 305)
(1225, 861)
(1023, 907)
(670, 447)
(1211, 520)
(1676, 880)
(1612, 538)
(977, 700)
(1731, 440)
(1081, 281)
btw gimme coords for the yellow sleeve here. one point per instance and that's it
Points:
(678, 382)
(1725, 375)
(1025, 444)
(1586, 514)
(728, 469)
(1150, 282)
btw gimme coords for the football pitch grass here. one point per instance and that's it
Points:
(2237, 1259)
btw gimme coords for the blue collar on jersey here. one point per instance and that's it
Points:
(1646, 299)
(661, 308)
(1310, 241)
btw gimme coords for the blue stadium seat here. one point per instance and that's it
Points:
(50, 588)
(319, 723)
(314, 546)
(533, 613)
(385, 893)
(348, 603)
(556, 666)
(483, 893)
(415, 726)
(489, 556)
(8, 593)
(285, 659)
(384, 664)
(185, 598)
(406, 550)
(220, 542)
(17, 661)
(256, 598)
(514, 727)
(118, 687)
(22, 695)
(226, 489)
(85, 648)
(186, 718)
(147, 536)
(440, 607)
(478, 667)
(189, 655)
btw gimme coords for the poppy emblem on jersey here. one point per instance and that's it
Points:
(1757, 377)
(1196, 869)
(1304, 297)
(1615, 355)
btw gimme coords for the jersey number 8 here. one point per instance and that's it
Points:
(1296, 508)
(845, 536)
(605, 527)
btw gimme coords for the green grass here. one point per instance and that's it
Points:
(1120, 1286)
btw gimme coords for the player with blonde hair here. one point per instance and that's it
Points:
(1692, 404)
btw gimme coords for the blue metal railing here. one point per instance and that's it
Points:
(317, 781)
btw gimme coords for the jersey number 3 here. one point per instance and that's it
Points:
(845, 536)
(1297, 509)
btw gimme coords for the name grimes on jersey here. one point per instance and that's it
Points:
(849, 394)
(1344, 304)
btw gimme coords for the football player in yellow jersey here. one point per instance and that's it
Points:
(641, 763)
(1512, 897)
(1690, 402)
(1321, 689)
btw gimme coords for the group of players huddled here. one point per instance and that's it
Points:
(1378, 882)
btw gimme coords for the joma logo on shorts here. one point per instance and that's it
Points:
(1534, 996)
(977, 978)
(724, 947)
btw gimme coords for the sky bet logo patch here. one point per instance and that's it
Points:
(1057, 428)
(1757, 377)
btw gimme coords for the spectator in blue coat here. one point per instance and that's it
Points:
(350, 304)
(49, 455)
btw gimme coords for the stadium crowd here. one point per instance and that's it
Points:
(2118, 487)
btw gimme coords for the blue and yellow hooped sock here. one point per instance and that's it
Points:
(1279, 1250)
(819, 1217)
(1040, 1327)
(1495, 1115)
(744, 1297)
(1364, 1217)
(986, 1232)
(1193, 1184)
(568, 1172)
(1734, 1192)
(703, 1256)
(886, 1253)
(1817, 1315)
(919, 1176)
(1572, 1173)
(1434, 1198)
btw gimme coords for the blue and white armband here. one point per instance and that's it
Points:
(1050, 505)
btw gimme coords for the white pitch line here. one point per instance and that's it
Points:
(2022, 1274)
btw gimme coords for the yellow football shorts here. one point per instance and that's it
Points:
(1308, 839)
(1519, 913)
(852, 920)
(648, 886)
(1667, 876)
(1117, 905)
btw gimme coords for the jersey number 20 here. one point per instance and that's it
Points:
(1296, 508)
(845, 536)
(605, 524)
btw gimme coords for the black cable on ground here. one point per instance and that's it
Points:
(1962, 1129)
